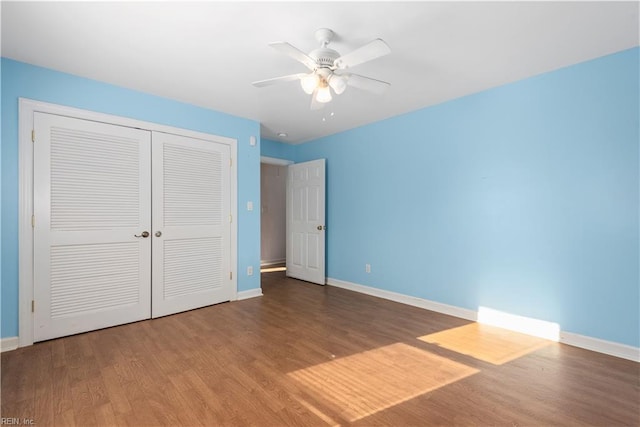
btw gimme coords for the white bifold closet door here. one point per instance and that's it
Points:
(91, 198)
(191, 224)
(129, 224)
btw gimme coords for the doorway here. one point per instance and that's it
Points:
(293, 218)
(273, 194)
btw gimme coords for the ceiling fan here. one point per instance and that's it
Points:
(325, 64)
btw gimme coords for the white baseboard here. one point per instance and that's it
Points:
(594, 344)
(251, 293)
(268, 262)
(525, 325)
(406, 299)
(601, 346)
(9, 343)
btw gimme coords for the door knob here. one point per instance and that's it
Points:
(144, 234)
(320, 228)
(158, 233)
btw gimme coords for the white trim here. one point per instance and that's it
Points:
(601, 346)
(9, 343)
(588, 343)
(526, 325)
(275, 161)
(251, 293)
(27, 108)
(234, 215)
(62, 110)
(25, 236)
(266, 263)
(405, 299)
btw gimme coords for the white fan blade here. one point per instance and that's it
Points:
(372, 50)
(268, 82)
(315, 105)
(295, 53)
(367, 83)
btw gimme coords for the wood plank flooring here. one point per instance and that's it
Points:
(307, 355)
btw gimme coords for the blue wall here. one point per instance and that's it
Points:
(522, 199)
(22, 80)
(277, 149)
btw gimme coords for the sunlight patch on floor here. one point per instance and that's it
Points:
(272, 269)
(485, 342)
(365, 383)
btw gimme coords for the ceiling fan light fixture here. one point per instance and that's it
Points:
(324, 62)
(323, 94)
(309, 83)
(338, 83)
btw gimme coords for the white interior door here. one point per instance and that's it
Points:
(306, 221)
(91, 200)
(191, 224)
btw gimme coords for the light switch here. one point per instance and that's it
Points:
(252, 141)
(249, 206)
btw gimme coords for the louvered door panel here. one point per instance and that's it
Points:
(192, 266)
(191, 205)
(88, 192)
(190, 198)
(87, 278)
(91, 197)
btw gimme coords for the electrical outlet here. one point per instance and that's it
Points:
(250, 271)
(367, 268)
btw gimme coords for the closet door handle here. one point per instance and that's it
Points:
(144, 234)
(158, 233)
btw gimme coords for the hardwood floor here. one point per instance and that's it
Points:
(306, 355)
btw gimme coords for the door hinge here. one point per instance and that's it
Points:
(231, 275)
(230, 218)
(33, 135)
(33, 221)
(33, 306)
(230, 162)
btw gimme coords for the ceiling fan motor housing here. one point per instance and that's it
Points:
(324, 57)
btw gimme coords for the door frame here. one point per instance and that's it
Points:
(26, 109)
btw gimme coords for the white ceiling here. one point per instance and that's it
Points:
(208, 53)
